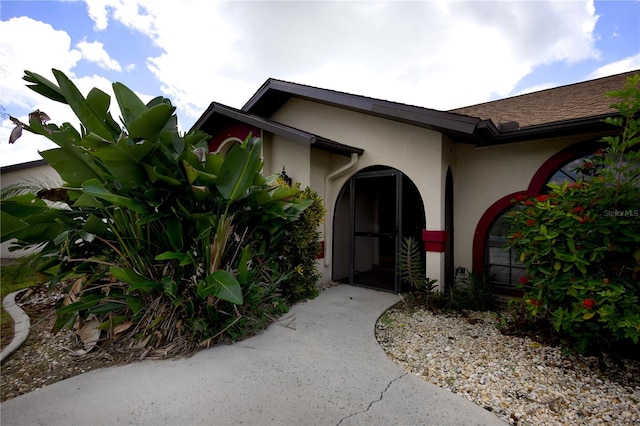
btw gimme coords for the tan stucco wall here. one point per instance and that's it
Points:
(417, 152)
(294, 156)
(484, 175)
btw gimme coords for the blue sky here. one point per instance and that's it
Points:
(436, 54)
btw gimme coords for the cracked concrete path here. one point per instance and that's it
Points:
(319, 365)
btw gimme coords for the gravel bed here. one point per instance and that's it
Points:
(520, 380)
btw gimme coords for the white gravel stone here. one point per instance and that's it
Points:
(523, 382)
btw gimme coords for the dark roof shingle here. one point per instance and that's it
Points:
(565, 103)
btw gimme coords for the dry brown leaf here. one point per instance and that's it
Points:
(75, 289)
(89, 333)
(122, 327)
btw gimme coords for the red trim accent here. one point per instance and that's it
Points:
(556, 161)
(484, 224)
(237, 130)
(536, 187)
(435, 240)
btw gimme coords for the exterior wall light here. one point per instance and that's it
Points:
(285, 178)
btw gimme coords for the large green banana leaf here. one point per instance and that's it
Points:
(238, 171)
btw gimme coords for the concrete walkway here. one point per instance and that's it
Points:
(323, 368)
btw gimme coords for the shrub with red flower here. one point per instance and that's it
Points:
(516, 236)
(584, 219)
(574, 185)
(580, 253)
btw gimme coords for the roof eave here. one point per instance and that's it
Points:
(273, 127)
(274, 93)
(488, 134)
(255, 121)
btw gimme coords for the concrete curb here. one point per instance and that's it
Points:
(21, 321)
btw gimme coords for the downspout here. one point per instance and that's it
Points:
(327, 197)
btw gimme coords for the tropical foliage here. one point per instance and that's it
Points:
(412, 272)
(167, 245)
(580, 242)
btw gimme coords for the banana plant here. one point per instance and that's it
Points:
(145, 212)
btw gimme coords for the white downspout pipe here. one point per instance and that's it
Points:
(328, 243)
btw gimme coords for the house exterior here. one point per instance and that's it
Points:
(37, 173)
(388, 170)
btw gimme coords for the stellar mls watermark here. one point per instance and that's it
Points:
(622, 213)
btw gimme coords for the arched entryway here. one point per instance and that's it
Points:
(375, 209)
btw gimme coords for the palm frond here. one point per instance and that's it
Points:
(411, 265)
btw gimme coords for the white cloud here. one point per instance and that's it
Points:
(134, 14)
(627, 64)
(94, 52)
(435, 54)
(31, 45)
(22, 48)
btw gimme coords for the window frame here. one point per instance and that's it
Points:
(537, 186)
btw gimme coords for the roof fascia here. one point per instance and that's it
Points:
(408, 114)
(336, 147)
(259, 122)
(489, 134)
(283, 130)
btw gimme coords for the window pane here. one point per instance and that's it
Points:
(500, 275)
(499, 256)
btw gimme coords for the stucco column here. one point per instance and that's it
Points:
(435, 267)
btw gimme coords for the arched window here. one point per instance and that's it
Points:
(501, 264)
(490, 256)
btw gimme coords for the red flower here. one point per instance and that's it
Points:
(587, 164)
(578, 210)
(516, 236)
(588, 304)
(599, 152)
(530, 222)
(528, 203)
(524, 280)
(520, 198)
(575, 185)
(534, 302)
(543, 198)
(587, 218)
